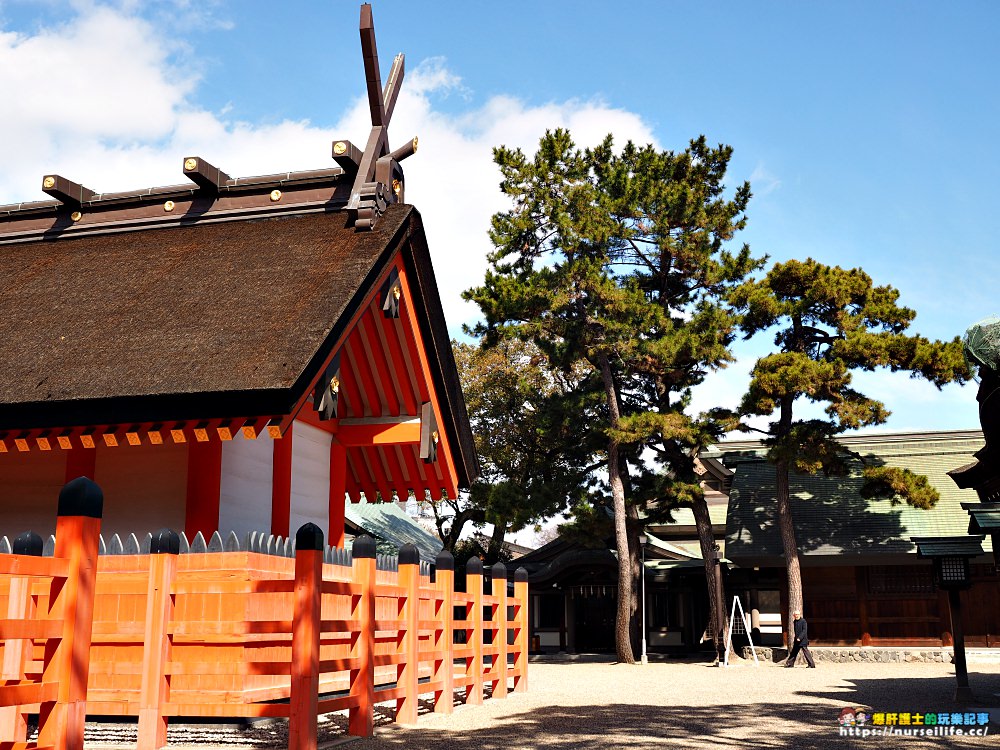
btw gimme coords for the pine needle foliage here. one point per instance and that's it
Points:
(619, 262)
(828, 323)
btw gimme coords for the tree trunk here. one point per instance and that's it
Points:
(791, 548)
(713, 571)
(495, 546)
(623, 643)
(785, 525)
(458, 521)
(633, 527)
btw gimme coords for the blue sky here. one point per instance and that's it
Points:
(867, 130)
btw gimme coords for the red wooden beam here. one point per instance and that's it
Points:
(369, 393)
(80, 462)
(338, 488)
(378, 475)
(281, 484)
(367, 478)
(364, 432)
(306, 628)
(378, 456)
(399, 377)
(204, 484)
(65, 439)
(353, 476)
(155, 434)
(422, 475)
(419, 354)
(389, 458)
(350, 386)
(385, 381)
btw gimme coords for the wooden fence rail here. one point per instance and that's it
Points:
(241, 634)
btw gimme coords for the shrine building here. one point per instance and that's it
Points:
(229, 354)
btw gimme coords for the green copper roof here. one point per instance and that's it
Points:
(984, 518)
(949, 546)
(388, 522)
(830, 516)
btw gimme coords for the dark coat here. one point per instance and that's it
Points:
(801, 631)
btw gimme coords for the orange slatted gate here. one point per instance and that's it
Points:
(241, 634)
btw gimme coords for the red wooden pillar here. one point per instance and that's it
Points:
(338, 488)
(361, 716)
(408, 644)
(281, 485)
(444, 634)
(204, 485)
(154, 689)
(521, 620)
(306, 627)
(80, 462)
(474, 632)
(71, 599)
(499, 590)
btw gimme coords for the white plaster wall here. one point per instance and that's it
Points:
(29, 491)
(245, 502)
(145, 487)
(310, 477)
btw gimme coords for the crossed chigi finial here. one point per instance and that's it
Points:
(378, 179)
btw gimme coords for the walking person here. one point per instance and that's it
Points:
(801, 642)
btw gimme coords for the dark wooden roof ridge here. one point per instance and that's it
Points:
(235, 199)
(235, 184)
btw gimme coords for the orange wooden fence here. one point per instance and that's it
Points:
(242, 634)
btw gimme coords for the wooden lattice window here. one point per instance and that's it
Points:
(900, 579)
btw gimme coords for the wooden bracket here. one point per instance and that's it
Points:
(204, 175)
(391, 295)
(66, 191)
(347, 155)
(327, 395)
(429, 437)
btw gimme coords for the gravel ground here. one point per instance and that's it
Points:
(693, 705)
(662, 704)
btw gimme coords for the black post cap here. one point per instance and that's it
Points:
(444, 560)
(28, 543)
(409, 555)
(81, 497)
(363, 547)
(165, 542)
(474, 566)
(309, 537)
(521, 575)
(499, 572)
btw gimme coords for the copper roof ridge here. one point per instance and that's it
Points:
(899, 436)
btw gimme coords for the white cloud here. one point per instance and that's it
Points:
(128, 123)
(763, 181)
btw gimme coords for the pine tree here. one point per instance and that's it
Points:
(831, 322)
(534, 451)
(616, 262)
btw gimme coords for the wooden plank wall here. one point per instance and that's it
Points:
(896, 606)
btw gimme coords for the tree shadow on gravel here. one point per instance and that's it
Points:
(760, 726)
(904, 693)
